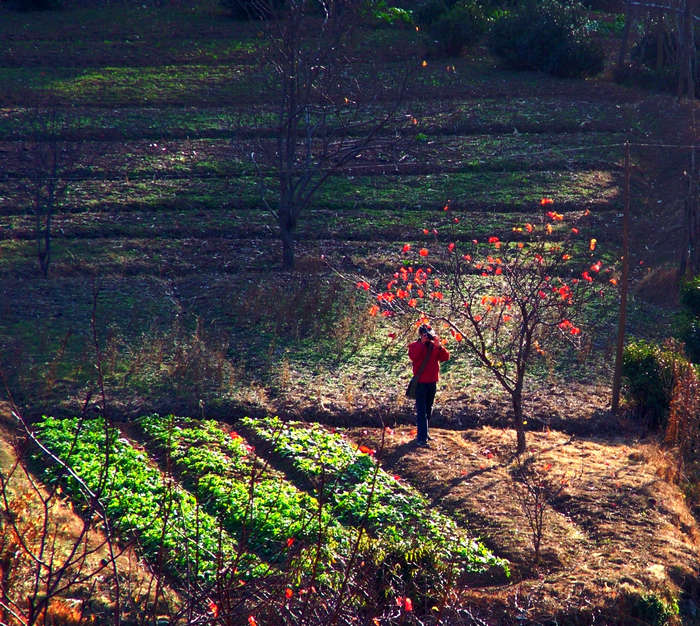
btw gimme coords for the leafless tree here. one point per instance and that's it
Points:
(536, 488)
(42, 167)
(329, 105)
(672, 27)
(38, 565)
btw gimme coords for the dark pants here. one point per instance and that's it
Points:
(425, 395)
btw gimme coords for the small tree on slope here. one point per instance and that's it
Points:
(329, 105)
(505, 299)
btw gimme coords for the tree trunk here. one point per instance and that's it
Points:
(5, 565)
(517, 400)
(624, 286)
(692, 62)
(287, 250)
(682, 51)
(45, 249)
(660, 48)
(686, 52)
(690, 253)
(287, 225)
(625, 37)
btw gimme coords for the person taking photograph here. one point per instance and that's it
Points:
(426, 354)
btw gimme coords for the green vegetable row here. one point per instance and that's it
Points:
(167, 521)
(251, 500)
(362, 493)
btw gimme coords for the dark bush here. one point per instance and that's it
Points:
(388, 15)
(428, 13)
(550, 36)
(647, 370)
(691, 339)
(690, 318)
(690, 296)
(665, 80)
(459, 28)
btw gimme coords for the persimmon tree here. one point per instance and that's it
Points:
(504, 299)
(328, 106)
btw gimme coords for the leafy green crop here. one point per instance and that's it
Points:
(166, 520)
(248, 496)
(360, 492)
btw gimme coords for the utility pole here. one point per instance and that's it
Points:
(622, 317)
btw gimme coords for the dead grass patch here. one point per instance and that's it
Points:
(616, 529)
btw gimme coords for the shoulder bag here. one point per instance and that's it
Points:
(412, 386)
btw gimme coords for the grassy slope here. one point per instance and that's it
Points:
(616, 527)
(166, 219)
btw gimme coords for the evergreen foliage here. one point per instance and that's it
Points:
(550, 36)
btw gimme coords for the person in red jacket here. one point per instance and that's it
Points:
(427, 344)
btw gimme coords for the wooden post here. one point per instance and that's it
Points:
(660, 36)
(693, 217)
(622, 317)
(682, 50)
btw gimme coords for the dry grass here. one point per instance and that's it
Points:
(617, 530)
(660, 286)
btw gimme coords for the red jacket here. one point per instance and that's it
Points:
(431, 373)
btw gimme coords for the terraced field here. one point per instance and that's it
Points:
(165, 273)
(241, 519)
(163, 208)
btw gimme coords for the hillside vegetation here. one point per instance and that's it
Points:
(164, 295)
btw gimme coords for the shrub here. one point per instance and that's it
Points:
(689, 327)
(690, 296)
(458, 28)
(647, 370)
(549, 36)
(683, 428)
(650, 609)
(382, 13)
(430, 12)
(690, 335)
